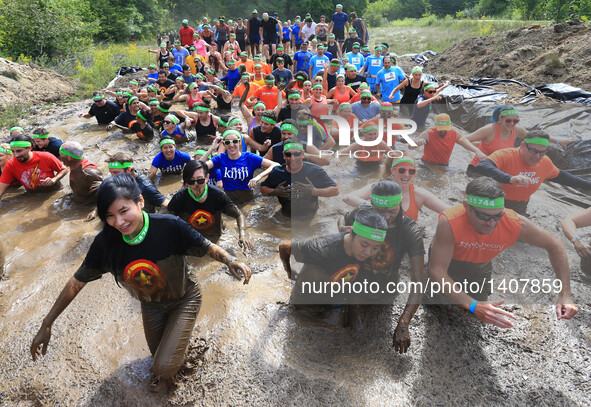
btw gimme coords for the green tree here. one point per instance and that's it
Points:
(562, 10)
(45, 28)
(529, 9)
(446, 7)
(492, 7)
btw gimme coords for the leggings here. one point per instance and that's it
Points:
(168, 327)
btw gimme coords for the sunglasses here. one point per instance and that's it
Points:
(166, 122)
(365, 98)
(199, 181)
(485, 217)
(508, 121)
(294, 154)
(99, 101)
(430, 91)
(411, 171)
(534, 151)
(228, 142)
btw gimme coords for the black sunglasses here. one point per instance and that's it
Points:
(485, 217)
(512, 121)
(166, 122)
(430, 92)
(228, 142)
(294, 154)
(199, 181)
(411, 171)
(534, 151)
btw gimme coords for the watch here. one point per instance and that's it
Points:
(576, 239)
(230, 260)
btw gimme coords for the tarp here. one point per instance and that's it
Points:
(563, 93)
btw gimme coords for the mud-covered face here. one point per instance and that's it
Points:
(363, 248)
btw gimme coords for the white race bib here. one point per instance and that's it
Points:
(355, 60)
(319, 63)
(389, 76)
(376, 62)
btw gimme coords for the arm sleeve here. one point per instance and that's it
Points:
(488, 168)
(93, 266)
(152, 195)
(570, 180)
(119, 119)
(156, 162)
(193, 243)
(320, 179)
(230, 208)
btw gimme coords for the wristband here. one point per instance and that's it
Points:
(576, 239)
(230, 260)
(473, 306)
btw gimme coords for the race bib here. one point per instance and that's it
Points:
(319, 63)
(389, 76)
(355, 60)
(376, 62)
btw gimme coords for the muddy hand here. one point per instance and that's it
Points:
(239, 269)
(39, 345)
(245, 244)
(401, 341)
(583, 250)
(283, 191)
(489, 313)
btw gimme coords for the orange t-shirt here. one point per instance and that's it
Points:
(249, 64)
(509, 161)
(438, 149)
(474, 247)
(413, 209)
(267, 96)
(239, 90)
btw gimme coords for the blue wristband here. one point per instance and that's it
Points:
(473, 306)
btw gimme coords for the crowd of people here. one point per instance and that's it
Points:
(253, 95)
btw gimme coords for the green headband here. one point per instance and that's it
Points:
(366, 95)
(335, 64)
(127, 94)
(163, 109)
(154, 102)
(245, 76)
(300, 77)
(180, 78)
(295, 95)
(201, 109)
(5, 150)
(376, 235)
(133, 83)
(416, 70)
(119, 93)
(152, 88)
(192, 85)
(98, 97)
(269, 80)
(222, 122)
(509, 113)
(290, 127)
(40, 135)
(317, 86)
(268, 120)
(139, 114)
(211, 71)
(172, 118)
(152, 66)
(442, 122)
(387, 108)
(259, 104)
(485, 203)
(296, 146)
(122, 165)
(200, 152)
(132, 99)
(429, 86)
(537, 140)
(230, 132)
(234, 121)
(16, 128)
(307, 83)
(167, 141)
(345, 105)
(68, 154)
(369, 128)
(401, 160)
(20, 144)
(386, 201)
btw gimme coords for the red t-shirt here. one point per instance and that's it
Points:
(509, 161)
(186, 34)
(438, 149)
(267, 96)
(42, 165)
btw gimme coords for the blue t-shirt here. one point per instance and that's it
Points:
(295, 32)
(365, 113)
(177, 133)
(233, 77)
(153, 77)
(302, 61)
(176, 68)
(356, 59)
(180, 56)
(388, 80)
(373, 65)
(286, 33)
(419, 115)
(174, 166)
(317, 64)
(339, 21)
(214, 177)
(237, 173)
(189, 79)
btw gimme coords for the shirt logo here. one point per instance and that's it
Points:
(347, 273)
(144, 276)
(382, 259)
(201, 220)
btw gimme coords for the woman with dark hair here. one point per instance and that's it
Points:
(169, 160)
(146, 254)
(142, 126)
(205, 122)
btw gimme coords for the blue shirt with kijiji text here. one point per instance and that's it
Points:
(174, 166)
(237, 173)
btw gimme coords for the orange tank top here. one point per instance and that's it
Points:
(319, 107)
(342, 97)
(497, 143)
(413, 209)
(438, 149)
(474, 247)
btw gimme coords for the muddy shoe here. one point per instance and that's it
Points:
(158, 385)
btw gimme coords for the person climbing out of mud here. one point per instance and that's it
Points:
(522, 170)
(503, 132)
(332, 261)
(403, 237)
(569, 227)
(146, 254)
(470, 235)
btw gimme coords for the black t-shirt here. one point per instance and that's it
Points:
(53, 147)
(348, 44)
(355, 82)
(105, 114)
(286, 112)
(163, 86)
(150, 193)
(286, 59)
(205, 217)
(147, 133)
(260, 137)
(405, 237)
(125, 118)
(254, 24)
(331, 80)
(303, 206)
(269, 27)
(333, 49)
(278, 151)
(152, 271)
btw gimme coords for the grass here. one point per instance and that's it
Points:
(13, 113)
(429, 33)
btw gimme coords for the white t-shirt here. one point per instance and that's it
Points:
(307, 32)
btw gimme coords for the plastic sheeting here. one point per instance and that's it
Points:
(563, 93)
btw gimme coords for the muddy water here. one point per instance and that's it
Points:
(251, 348)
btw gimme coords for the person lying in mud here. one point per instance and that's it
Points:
(85, 177)
(333, 261)
(142, 126)
(470, 235)
(35, 170)
(569, 227)
(146, 254)
(102, 109)
(201, 205)
(298, 184)
(169, 160)
(43, 142)
(403, 237)
(522, 170)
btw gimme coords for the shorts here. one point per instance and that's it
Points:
(285, 41)
(339, 34)
(270, 41)
(254, 39)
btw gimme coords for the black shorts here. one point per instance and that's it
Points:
(270, 41)
(254, 39)
(339, 34)
(285, 41)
